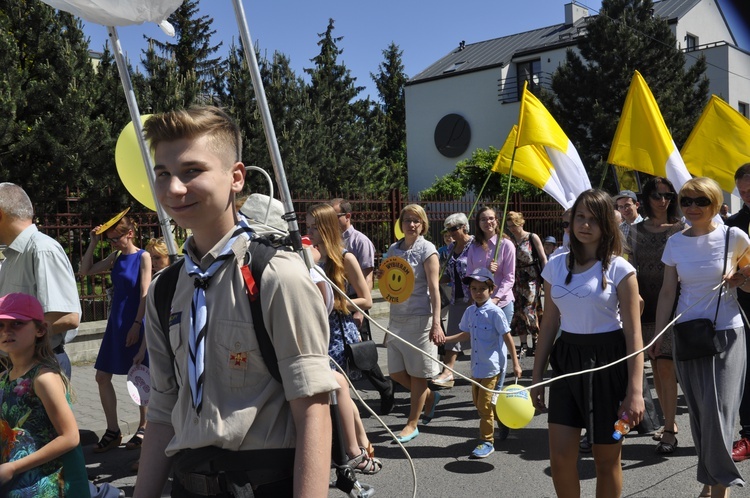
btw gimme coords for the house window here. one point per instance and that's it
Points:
(743, 108)
(528, 71)
(691, 42)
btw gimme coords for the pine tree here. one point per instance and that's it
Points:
(50, 136)
(343, 152)
(590, 89)
(190, 57)
(390, 81)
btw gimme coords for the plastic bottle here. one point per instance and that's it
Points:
(622, 427)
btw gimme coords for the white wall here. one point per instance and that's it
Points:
(704, 22)
(473, 96)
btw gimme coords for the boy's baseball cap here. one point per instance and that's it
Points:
(480, 274)
(18, 306)
(626, 193)
(550, 240)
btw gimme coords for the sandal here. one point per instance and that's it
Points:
(365, 464)
(109, 440)
(137, 440)
(664, 448)
(370, 450)
(658, 434)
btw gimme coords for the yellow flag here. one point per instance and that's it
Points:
(718, 144)
(642, 140)
(537, 126)
(533, 164)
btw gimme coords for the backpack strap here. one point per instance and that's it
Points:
(164, 289)
(260, 253)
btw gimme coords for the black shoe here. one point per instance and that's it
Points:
(386, 403)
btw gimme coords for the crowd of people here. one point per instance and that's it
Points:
(244, 361)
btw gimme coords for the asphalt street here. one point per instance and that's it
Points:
(519, 468)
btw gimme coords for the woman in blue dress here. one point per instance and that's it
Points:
(131, 276)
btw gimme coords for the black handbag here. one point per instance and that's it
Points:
(697, 338)
(362, 355)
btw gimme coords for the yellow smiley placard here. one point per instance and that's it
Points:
(397, 281)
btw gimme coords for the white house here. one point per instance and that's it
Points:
(469, 98)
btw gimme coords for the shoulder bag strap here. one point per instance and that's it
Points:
(726, 252)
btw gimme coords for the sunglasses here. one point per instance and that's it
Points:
(114, 240)
(565, 224)
(657, 196)
(698, 201)
(455, 228)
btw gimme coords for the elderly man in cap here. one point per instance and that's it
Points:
(627, 205)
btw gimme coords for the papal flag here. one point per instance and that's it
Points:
(545, 157)
(642, 140)
(718, 144)
(533, 164)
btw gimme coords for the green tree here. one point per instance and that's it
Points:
(475, 175)
(50, 137)
(390, 81)
(590, 89)
(345, 150)
(189, 60)
(288, 103)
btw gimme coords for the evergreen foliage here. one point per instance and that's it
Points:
(51, 138)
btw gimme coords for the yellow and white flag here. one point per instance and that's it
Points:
(642, 140)
(545, 157)
(718, 144)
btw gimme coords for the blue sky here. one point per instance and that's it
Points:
(425, 31)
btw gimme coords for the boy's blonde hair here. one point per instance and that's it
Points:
(224, 137)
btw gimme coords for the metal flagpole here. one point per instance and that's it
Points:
(135, 116)
(265, 114)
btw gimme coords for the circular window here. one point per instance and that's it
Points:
(452, 135)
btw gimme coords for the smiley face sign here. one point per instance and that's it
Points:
(397, 281)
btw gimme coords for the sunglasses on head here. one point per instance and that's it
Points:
(698, 201)
(667, 196)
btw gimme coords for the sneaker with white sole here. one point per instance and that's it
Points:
(483, 450)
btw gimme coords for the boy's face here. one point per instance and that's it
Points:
(549, 248)
(196, 186)
(480, 291)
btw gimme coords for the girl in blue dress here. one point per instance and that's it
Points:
(131, 276)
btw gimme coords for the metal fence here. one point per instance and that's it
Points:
(374, 215)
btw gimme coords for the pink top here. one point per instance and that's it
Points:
(505, 275)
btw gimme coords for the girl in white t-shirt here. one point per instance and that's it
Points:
(592, 295)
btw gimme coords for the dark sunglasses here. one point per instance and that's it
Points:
(455, 228)
(698, 201)
(565, 224)
(667, 196)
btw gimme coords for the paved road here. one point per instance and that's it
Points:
(519, 468)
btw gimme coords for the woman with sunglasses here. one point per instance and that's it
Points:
(644, 250)
(131, 276)
(457, 225)
(712, 384)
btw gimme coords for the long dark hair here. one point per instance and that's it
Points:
(598, 203)
(479, 238)
(652, 185)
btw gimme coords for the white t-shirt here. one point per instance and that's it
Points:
(584, 307)
(699, 262)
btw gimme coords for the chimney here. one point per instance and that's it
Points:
(574, 12)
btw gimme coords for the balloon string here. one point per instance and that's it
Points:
(392, 336)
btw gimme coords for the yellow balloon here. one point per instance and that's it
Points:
(130, 165)
(397, 230)
(513, 407)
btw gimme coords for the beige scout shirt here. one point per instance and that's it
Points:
(244, 408)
